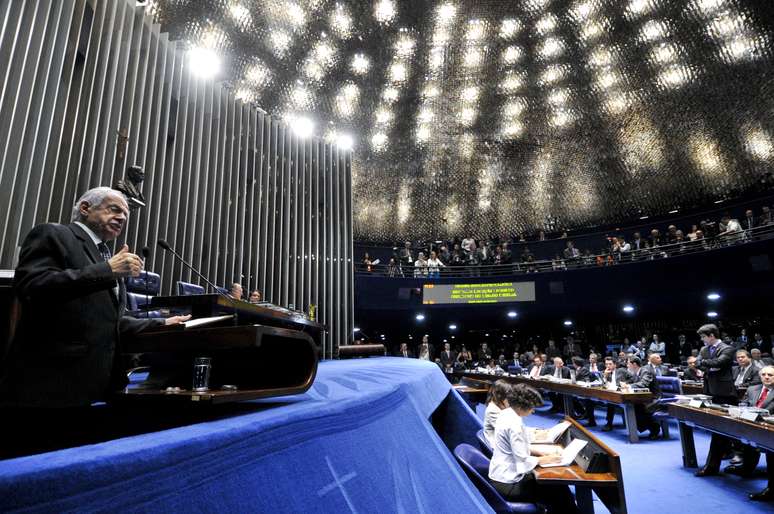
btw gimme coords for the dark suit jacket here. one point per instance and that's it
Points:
(549, 370)
(67, 341)
(621, 376)
(645, 379)
(690, 374)
(409, 353)
(583, 375)
(751, 376)
(718, 378)
(447, 360)
(754, 392)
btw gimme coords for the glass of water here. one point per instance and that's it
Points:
(201, 374)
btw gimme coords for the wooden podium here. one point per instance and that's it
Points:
(247, 362)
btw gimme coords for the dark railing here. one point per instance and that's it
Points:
(584, 261)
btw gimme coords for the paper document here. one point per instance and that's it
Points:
(551, 435)
(568, 454)
(200, 322)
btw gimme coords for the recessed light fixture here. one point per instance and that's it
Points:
(452, 327)
(420, 317)
(628, 308)
(713, 296)
(512, 314)
(567, 323)
(712, 314)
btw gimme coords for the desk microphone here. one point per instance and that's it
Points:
(145, 254)
(163, 244)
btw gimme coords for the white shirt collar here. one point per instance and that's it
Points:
(94, 237)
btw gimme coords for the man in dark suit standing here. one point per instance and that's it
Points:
(66, 350)
(716, 360)
(447, 356)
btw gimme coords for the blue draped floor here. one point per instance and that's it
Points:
(359, 440)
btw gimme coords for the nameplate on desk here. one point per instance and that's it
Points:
(750, 415)
(698, 404)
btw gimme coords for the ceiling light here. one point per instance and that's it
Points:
(345, 142)
(303, 127)
(452, 327)
(446, 12)
(420, 317)
(384, 11)
(360, 64)
(203, 62)
(713, 296)
(509, 28)
(628, 308)
(356, 329)
(712, 314)
(567, 323)
(512, 314)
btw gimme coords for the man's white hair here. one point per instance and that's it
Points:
(95, 197)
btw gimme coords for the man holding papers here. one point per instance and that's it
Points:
(513, 461)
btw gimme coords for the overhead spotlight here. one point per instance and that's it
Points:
(628, 308)
(452, 327)
(712, 314)
(567, 323)
(382, 336)
(204, 62)
(303, 127)
(512, 314)
(420, 317)
(713, 296)
(486, 335)
(356, 329)
(345, 142)
(445, 341)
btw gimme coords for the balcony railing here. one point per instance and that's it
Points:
(665, 251)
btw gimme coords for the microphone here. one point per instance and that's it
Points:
(145, 254)
(163, 244)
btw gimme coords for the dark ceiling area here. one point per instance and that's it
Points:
(488, 118)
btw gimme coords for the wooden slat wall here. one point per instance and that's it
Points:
(236, 192)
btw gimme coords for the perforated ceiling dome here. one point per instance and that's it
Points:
(487, 118)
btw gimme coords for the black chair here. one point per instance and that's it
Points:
(476, 466)
(483, 442)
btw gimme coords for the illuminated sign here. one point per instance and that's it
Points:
(497, 292)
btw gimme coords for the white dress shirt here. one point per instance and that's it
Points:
(490, 420)
(511, 459)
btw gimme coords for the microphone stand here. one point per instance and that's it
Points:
(145, 254)
(164, 245)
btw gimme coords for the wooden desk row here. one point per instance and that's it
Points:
(569, 391)
(757, 434)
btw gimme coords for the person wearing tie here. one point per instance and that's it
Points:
(746, 374)
(537, 367)
(404, 351)
(66, 352)
(716, 359)
(642, 378)
(762, 397)
(613, 377)
(447, 357)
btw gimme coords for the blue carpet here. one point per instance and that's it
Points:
(657, 482)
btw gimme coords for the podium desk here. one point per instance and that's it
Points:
(756, 434)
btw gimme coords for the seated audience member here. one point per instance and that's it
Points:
(484, 353)
(404, 351)
(656, 367)
(581, 372)
(236, 291)
(622, 359)
(434, 265)
(758, 359)
(517, 362)
(367, 263)
(558, 370)
(552, 350)
(759, 343)
(571, 348)
(761, 395)
(406, 257)
(657, 346)
(593, 366)
(495, 403)
(393, 268)
(502, 361)
(255, 296)
(683, 348)
(613, 377)
(537, 367)
(492, 366)
(464, 357)
(641, 377)
(447, 356)
(420, 266)
(692, 372)
(746, 373)
(512, 463)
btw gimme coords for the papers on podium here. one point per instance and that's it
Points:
(203, 322)
(551, 435)
(568, 454)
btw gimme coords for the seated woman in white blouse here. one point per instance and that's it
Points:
(495, 403)
(512, 462)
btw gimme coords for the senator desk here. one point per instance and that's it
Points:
(626, 400)
(607, 483)
(756, 434)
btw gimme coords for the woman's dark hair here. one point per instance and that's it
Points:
(498, 392)
(524, 397)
